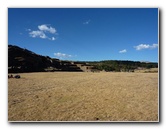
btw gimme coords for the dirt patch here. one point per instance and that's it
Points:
(73, 96)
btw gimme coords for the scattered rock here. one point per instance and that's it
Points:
(10, 76)
(17, 76)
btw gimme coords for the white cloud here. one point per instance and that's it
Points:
(47, 28)
(37, 33)
(123, 51)
(27, 29)
(42, 31)
(146, 46)
(86, 22)
(53, 38)
(62, 55)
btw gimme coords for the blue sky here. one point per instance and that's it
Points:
(86, 34)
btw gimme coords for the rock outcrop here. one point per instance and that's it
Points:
(22, 60)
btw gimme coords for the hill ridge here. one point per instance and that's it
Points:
(24, 60)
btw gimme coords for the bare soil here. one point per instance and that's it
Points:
(81, 96)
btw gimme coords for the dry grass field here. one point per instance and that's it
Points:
(72, 96)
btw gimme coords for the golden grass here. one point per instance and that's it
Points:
(151, 70)
(71, 96)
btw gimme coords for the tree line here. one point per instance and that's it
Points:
(118, 65)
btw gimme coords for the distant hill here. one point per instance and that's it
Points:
(23, 60)
(123, 66)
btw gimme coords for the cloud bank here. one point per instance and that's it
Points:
(145, 46)
(43, 31)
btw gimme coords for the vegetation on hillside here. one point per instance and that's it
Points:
(119, 65)
(23, 60)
